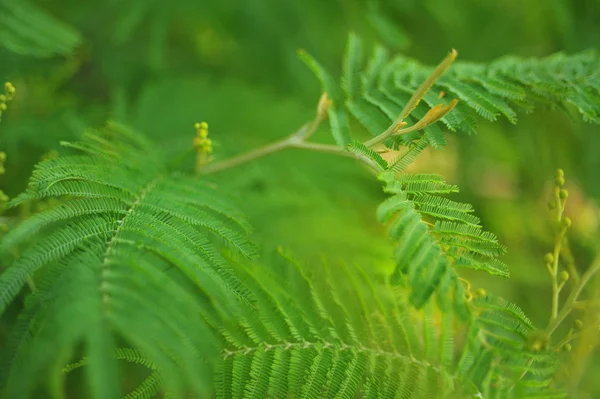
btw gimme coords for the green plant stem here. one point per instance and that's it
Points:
(571, 302)
(248, 156)
(414, 100)
(560, 205)
(297, 139)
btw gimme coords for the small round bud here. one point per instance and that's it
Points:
(480, 292)
(567, 347)
(578, 324)
(197, 125)
(9, 88)
(560, 173)
(549, 258)
(560, 181)
(563, 276)
(563, 194)
(203, 125)
(2, 156)
(566, 222)
(538, 340)
(2, 106)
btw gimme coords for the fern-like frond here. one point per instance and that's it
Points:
(379, 87)
(332, 332)
(132, 252)
(427, 253)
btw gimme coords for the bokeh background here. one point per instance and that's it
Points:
(161, 66)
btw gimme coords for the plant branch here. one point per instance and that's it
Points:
(554, 264)
(414, 101)
(571, 302)
(297, 139)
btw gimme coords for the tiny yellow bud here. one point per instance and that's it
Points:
(560, 173)
(563, 194)
(197, 125)
(203, 133)
(480, 292)
(2, 156)
(204, 125)
(578, 324)
(566, 222)
(549, 258)
(208, 142)
(560, 181)
(567, 347)
(2, 106)
(563, 276)
(9, 88)
(538, 340)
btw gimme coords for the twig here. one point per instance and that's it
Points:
(297, 139)
(571, 301)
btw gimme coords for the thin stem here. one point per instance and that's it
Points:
(246, 157)
(414, 100)
(295, 140)
(571, 302)
(560, 205)
(332, 149)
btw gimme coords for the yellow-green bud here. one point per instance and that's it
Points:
(204, 125)
(2, 98)
(560, 173)
(567, 347)
(549, 258)
(2, 106)
(566, 222)
(563, 194)
(560, 181)
(197, 125)
(480, 292)
(9, 88)
(578, 324)
(538, 340)
(563, 276)
(2, 156)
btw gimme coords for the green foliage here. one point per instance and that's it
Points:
(128, 232)
(376, 90)
(138, 264)
(26, 29)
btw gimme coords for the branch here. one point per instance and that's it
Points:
(571, 302)
(297, 139)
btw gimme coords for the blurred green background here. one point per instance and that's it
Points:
(161, 66)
